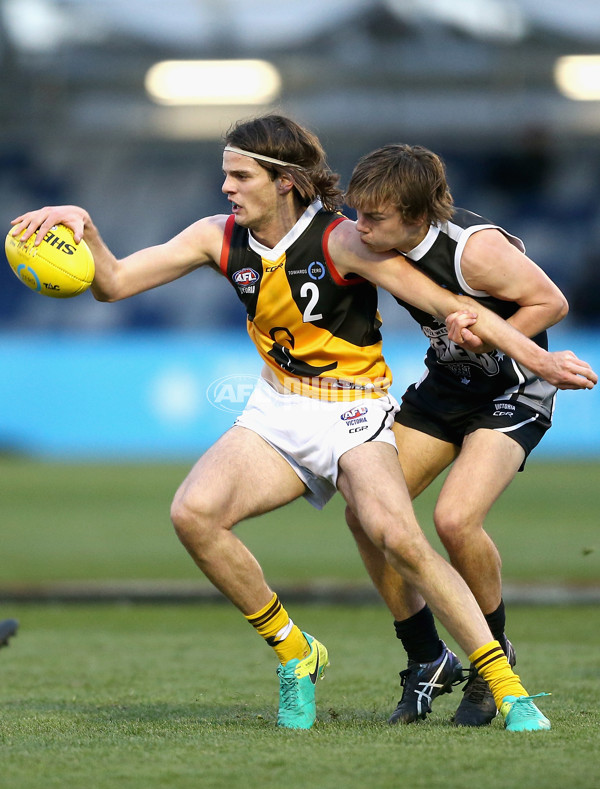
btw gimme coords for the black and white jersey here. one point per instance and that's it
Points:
(454, 375)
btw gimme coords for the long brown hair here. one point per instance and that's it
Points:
(282, 138)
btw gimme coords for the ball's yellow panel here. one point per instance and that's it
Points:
(57, 267)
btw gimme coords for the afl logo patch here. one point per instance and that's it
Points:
(316, 270)
(245, 277)
(354, 413)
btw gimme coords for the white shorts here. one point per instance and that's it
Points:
(313, 434)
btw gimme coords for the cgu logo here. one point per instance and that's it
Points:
(247, 276)
(354, 413)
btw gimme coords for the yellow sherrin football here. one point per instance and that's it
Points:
(57, 267)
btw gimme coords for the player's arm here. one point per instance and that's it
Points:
(148, 268)
(390, 271)
(490, 263)
(197, 245)
(399, 277)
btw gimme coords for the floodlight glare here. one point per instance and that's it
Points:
(178, 82)
(578, 77)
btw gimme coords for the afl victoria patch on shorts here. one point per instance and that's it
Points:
(313, 434)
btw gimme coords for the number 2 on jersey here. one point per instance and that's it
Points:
(311, 291)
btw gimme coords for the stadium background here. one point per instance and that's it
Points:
(471, 80)
(131, 695)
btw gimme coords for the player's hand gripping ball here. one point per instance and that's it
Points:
(57, 267)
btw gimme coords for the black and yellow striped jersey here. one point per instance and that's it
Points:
(317, 331)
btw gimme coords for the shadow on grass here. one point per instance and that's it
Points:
(193, 717)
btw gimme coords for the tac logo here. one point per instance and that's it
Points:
(316, 270)
(231, 393)
(354, 413)
(245, 277)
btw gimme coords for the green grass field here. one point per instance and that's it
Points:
(151, 696)
(81, 522)
(142, 697)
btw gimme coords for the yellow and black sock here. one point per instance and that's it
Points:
(275, 626)
(492, 664)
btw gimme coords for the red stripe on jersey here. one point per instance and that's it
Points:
(337, 277)
(226, 243)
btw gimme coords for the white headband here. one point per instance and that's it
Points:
(259, 156)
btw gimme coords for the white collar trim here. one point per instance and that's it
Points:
(425, 245)
(296, 231)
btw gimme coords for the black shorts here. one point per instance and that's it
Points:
(519, 421)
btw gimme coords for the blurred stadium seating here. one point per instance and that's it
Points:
(471, 80)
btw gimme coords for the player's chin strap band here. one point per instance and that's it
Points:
(262, 158)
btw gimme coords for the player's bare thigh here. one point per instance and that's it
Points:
(240, 476)
(485, 466)
(371, 481)
(422, 457)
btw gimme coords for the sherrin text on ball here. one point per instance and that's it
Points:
(57, 267)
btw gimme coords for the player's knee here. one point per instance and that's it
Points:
(407, 554)
(453, 528)
(180, 518)
(190, 520)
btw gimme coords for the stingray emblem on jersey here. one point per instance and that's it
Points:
(316, 270)
(458, 358)
(286, 360)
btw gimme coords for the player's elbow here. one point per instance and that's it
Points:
(563, 309)
(108, 288)
(559, 308)
(101, 295)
